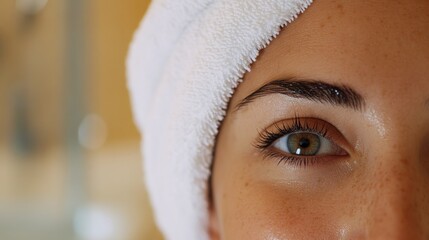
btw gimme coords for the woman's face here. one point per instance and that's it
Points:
(328, 135)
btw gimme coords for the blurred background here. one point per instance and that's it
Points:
(70, 165)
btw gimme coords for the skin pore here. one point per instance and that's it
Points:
(295, 161)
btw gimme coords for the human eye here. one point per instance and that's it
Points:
(301, 142)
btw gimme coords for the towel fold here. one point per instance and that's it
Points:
(185, 61)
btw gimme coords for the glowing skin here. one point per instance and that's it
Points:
(379, 189)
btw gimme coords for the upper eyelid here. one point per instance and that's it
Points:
(332, 133)
(312, 130)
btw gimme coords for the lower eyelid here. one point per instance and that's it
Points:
(301, 161)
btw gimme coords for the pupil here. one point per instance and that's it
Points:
(304, 143)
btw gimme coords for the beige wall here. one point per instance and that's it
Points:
(33, 71)
(35, 65)
(111, 25)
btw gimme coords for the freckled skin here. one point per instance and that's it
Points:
(380, 190)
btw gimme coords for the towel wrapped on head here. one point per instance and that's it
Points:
(185, 61)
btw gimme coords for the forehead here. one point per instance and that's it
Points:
(367, 45)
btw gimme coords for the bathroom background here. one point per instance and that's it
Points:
(70, 165)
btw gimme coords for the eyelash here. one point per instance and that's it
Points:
(268, 137)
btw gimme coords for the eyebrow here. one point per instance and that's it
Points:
(313, 90)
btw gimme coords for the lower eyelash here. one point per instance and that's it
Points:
(301, 161)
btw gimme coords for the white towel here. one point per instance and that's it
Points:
(186, 59)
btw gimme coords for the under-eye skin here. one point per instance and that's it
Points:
(301, 142)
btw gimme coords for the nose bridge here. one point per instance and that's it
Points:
(397, 193)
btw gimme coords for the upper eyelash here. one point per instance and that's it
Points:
(268, 137)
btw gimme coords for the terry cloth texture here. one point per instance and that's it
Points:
(185, 61)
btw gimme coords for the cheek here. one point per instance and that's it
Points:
(265, 211)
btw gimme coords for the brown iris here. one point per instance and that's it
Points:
(303, 143)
